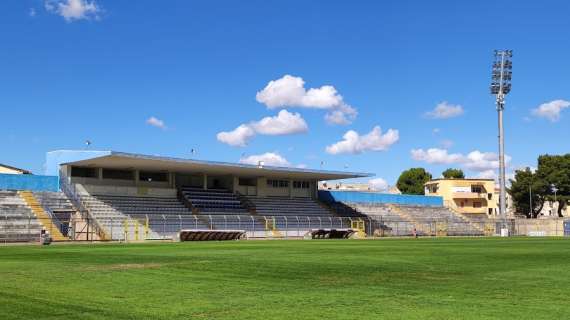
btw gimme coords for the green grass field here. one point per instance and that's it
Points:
(441, 278)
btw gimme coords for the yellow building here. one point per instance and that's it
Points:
(5, 169)
(474, 196)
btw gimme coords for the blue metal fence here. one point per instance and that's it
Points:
(28, 182)
(372, 197)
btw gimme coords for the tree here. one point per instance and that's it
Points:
(520, 190)
(453, 174)
(412, 181)
(554, 170)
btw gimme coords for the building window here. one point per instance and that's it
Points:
(477, 189)
(278, 183)
(476, 204)
(153, 176)
(301, 184)
(84, 172)
(489, 196)
(118, 174)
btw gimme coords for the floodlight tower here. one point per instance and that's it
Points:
(500, 87)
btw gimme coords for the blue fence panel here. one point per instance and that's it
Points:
(372, 197)
(29, 182)
(567, 228)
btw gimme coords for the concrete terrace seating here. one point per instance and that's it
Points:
(57, 203)
(166, 215)
(17, 221)
(426, 219)
(106, 216)
(145, 205)
(214, 201)
(284, 206)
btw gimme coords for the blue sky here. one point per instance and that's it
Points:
(72, 70)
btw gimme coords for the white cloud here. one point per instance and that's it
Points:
(239, 137)
(343, 116)
(289, 91)
(155, 122)
(378, 184)
(32, 13)
(354, 143)
(72, 10)
(268, 159)
(551, 110)
(436, 130)
(475, 160)
(445, 110)
(483, 161)
(446, 143)
(436, 156)
(283, 123)
(487, 174)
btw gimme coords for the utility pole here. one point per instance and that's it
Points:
(500, 87)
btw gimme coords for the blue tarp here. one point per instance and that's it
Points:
(373, 197)
(29, 182)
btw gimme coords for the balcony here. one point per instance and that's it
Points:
(469, 195)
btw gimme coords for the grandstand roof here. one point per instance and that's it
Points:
(122, 160)
(21, 171)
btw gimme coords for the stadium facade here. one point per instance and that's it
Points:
(112, 172)
(107, 195)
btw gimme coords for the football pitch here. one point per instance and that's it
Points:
(440, 278)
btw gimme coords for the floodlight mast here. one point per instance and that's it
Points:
(500, 87)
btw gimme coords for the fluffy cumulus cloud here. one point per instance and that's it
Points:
(378, 184)
(239, 137)
(284, 123)
(354, 143)
(445, 110)
(155, 122)
(267, 159)
(290, 91)
(436, 156)
(475, 160)
(483, 161)
(551, 110)
(72, 10)
(487, 174)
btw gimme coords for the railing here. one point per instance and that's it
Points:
(246, 203)
(187, 203)
(50, 213)
(70, 190)
(165, 227)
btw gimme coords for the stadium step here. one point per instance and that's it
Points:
(420, 227)
(42, 216)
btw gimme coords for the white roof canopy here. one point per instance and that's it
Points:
(129, 161)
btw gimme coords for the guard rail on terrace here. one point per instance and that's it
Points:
(70, 191)
(163, 227)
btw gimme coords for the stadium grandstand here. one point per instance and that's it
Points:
(107, 195)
